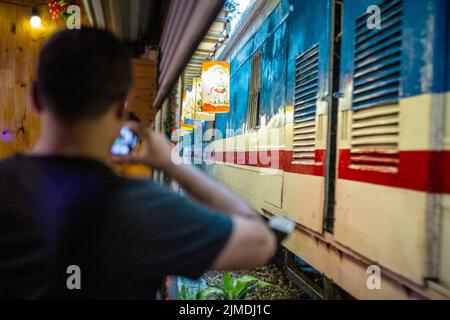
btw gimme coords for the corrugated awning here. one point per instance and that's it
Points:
(187, 23)
(130, 20)
(213, 40)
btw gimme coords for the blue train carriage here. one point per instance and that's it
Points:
(353, 119)
(254, 127)
(392, 204)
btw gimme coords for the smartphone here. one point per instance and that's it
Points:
(125, 143)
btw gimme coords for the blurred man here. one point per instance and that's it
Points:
(71, 228)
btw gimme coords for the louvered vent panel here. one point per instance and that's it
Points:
(305, 103)
(376, 80)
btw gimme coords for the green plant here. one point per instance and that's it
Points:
(232, 289)
(185, 293)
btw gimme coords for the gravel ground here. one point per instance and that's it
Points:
(282, 289)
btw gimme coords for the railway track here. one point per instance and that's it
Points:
(315, 285)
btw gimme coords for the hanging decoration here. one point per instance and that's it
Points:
(216, 86)
(198, 102)
(58, 8)
(186, 123)
(187, 105)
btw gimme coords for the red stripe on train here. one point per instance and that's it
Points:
(417, 170)
(426, 171)
(274, 159)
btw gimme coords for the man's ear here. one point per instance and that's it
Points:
(121, 107)
(35, 98)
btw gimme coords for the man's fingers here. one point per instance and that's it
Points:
(125, 159)
(120, 159)
(138, 129)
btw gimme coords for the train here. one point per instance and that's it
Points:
(342, 124)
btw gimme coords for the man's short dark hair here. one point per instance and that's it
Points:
(82, 72)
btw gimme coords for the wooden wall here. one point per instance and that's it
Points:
(19, 47)
(144, 91)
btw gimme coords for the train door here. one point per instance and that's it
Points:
(444, 267)
(390, 77)
(309, 86)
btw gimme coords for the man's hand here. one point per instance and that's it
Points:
(153, 150)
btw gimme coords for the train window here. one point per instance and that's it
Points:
(377, 71)
(253, 120)
(305, 105)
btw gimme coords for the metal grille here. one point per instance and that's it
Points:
(255, 89)
(305, 104)
(377, 71)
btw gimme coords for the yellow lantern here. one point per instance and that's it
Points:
(216, 86)
(188, 105)
(198, 114)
